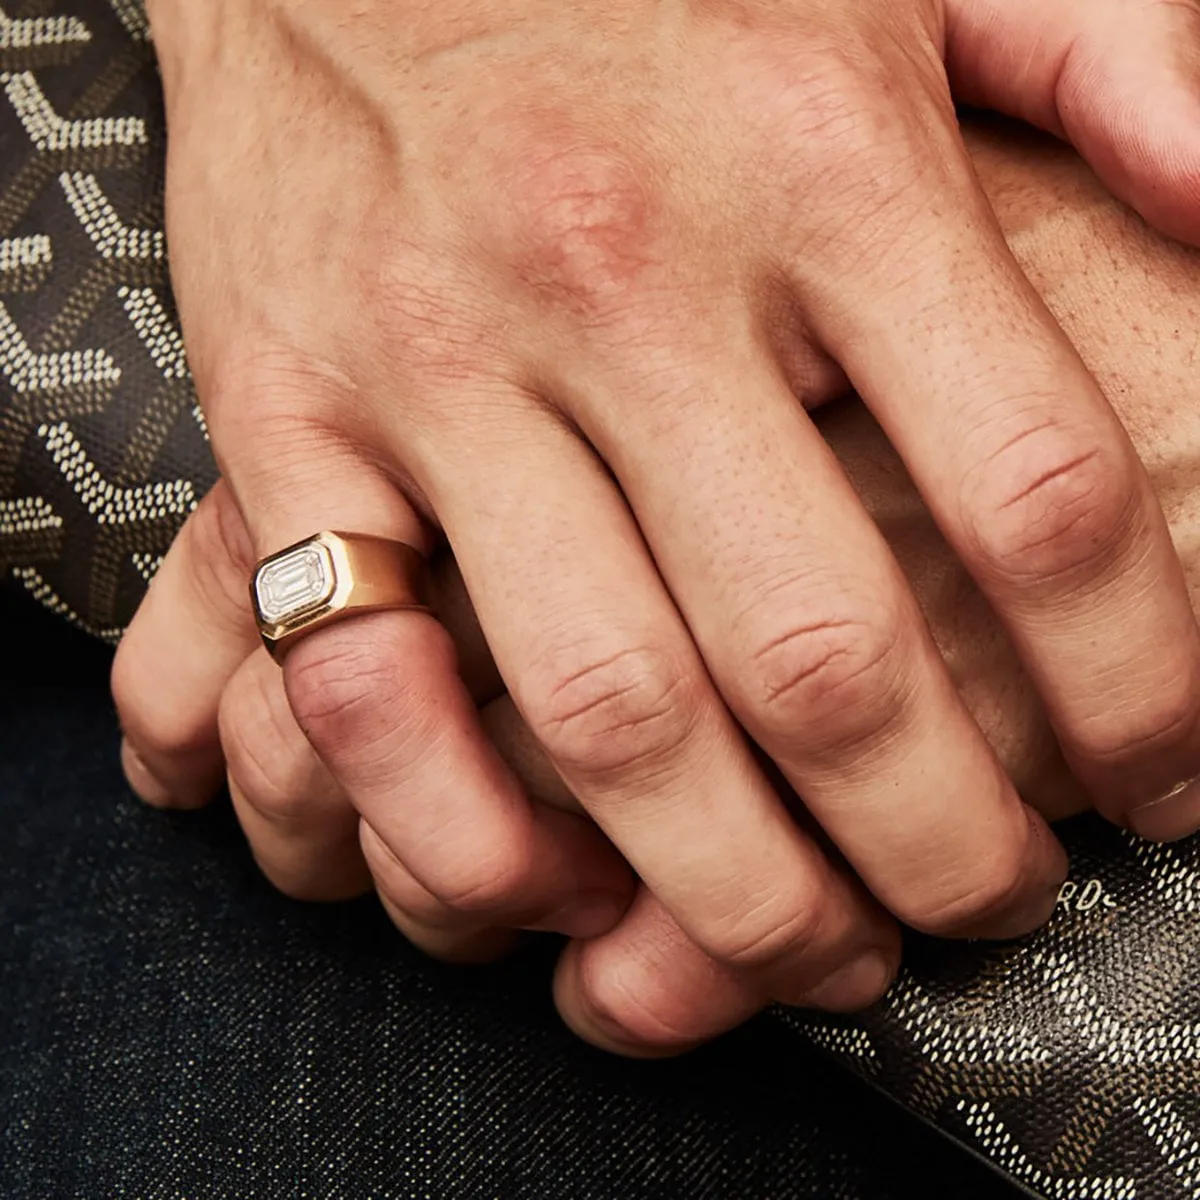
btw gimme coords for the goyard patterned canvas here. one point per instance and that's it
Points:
(102, 449)
(1071, 1060)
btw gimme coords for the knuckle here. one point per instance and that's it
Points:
(769, 936)
(332, 686)
(346, 691)
(1045, 507)
(220, 556)
(631, 1008)
(161, 731)
(1161, 718)
(293, 388)
(304, 408)
(994, 888)
(285, 379)
(580, 221)
(616, 713)
(271, 771)
(826, 97)
(478, 882)
(824, 112)
(840, 678)
(494, 885)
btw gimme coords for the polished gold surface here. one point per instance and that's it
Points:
(330, 577)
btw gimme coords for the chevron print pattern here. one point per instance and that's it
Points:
(997, 1144)
(133, 17)
(27, 371)
(1072, 1060)
(1178, 1143)
(162, 340)
(101, 452)
(109, 234)
(40, 31)
(48, 131)
(112, 505)
(23, 254)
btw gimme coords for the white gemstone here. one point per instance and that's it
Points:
(294, 583)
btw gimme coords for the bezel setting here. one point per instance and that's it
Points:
(324, 557)
(293, 583)
(329, 577)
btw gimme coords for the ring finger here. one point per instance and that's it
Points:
(380, 699)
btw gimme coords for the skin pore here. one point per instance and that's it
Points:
(1130, 300)
(1127, 297)
(552, 283)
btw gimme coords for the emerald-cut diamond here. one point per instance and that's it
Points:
(293, 583)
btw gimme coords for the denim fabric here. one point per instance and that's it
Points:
(172, 1029)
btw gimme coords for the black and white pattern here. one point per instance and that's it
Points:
(102, 448)
(1072, 1058)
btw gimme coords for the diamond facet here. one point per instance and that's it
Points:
(294, 583)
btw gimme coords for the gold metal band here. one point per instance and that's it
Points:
(329, 577)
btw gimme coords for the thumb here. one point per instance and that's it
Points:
(1120, 79)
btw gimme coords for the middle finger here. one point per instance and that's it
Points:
(813, 635)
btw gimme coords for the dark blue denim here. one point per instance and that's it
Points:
(172, 1029)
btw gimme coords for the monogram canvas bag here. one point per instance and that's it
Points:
(1071, 1060)
(102, 447)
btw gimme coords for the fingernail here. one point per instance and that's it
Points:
(142, 780)
(589, 915)
(1170, 817)
(1048, 867)
(858, 984)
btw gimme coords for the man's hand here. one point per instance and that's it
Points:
(560, 280)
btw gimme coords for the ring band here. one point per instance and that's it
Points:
(329, 577)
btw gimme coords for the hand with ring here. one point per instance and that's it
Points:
(657, 993)
(557, 284)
